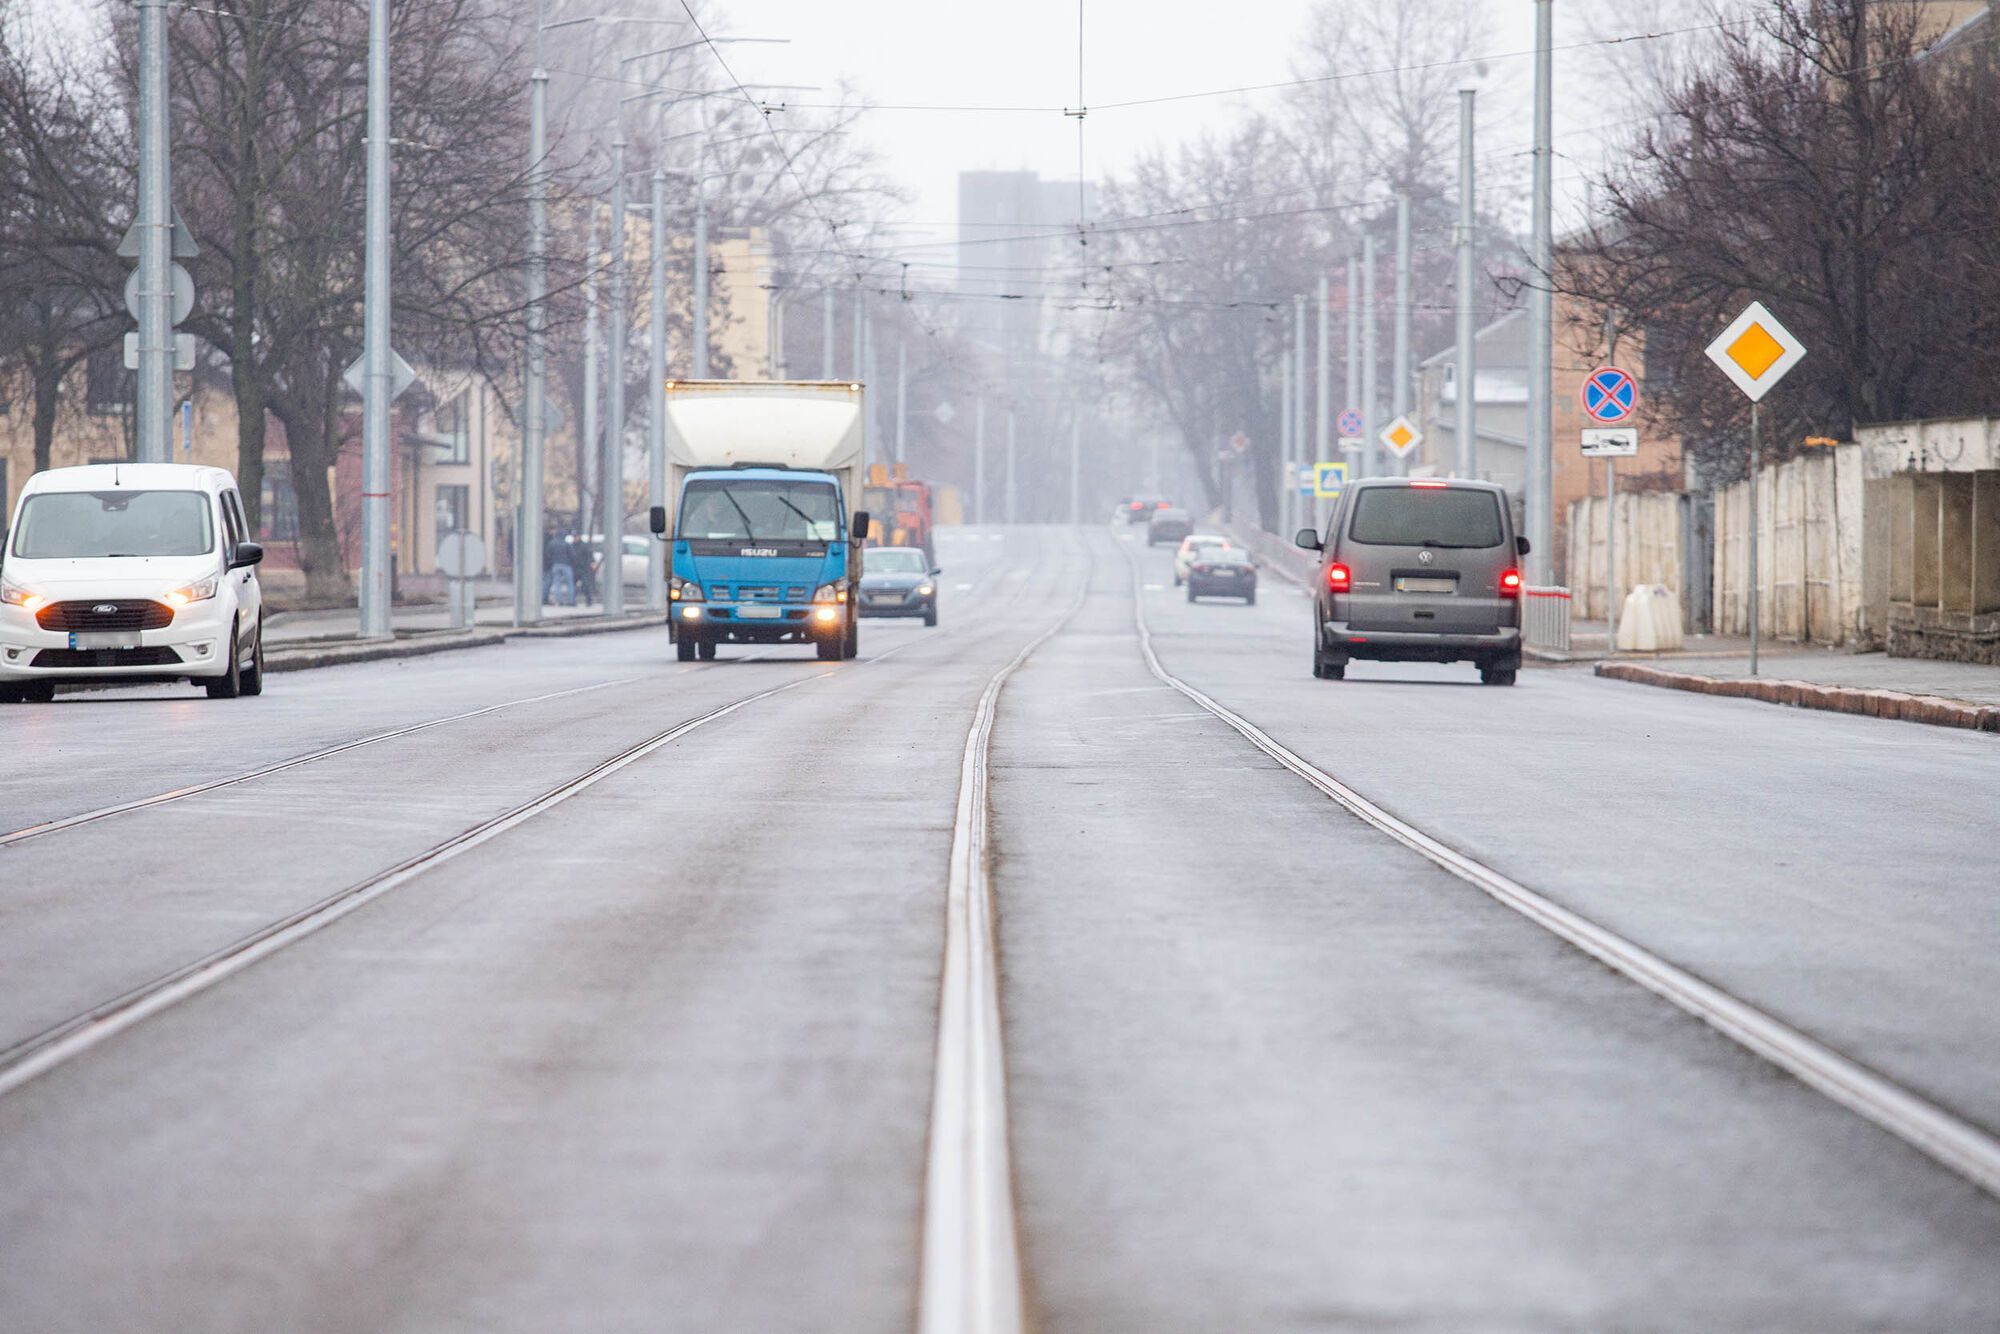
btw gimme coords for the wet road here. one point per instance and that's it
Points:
(620, 1009)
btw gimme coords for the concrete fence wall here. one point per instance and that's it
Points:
(1811, 532)
(1649, 547)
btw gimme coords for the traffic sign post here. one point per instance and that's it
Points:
(1329, 480)
(1610, 396)
(461, 557)
(1402, 437)
(1756, 352)
(1611, 443)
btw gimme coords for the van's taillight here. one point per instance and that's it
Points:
(1510, 583)
(1339, 578)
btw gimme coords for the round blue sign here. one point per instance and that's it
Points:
(1610, 396)
(1350, 422)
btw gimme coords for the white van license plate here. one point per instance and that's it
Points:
(104, 639)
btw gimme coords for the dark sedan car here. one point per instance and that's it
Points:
(1168, 525)
(1223, 572)
(898, 581)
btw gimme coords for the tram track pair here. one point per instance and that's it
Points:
(1952, 1141)
(52, 1046)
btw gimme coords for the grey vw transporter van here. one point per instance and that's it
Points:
(1419, 570)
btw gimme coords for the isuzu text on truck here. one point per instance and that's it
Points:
(767, 533)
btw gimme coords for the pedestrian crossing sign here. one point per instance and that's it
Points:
(1329, 480)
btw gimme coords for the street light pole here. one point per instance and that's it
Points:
(1370, 447)
(1399, 392)
(979, 460)
(1323, 416)
(1076, 466)
(378, 378)
(155, 233)
(700, 277)
(826, 334)
(1541, 307)
(1353, 344)
(1298, 380)
(656, 396)
(534, 399)
(1466, 370)
(612, 474)
(589, 454)
(902, 395)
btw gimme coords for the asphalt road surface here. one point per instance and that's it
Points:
(559, 985)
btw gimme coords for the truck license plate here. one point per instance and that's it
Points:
(760, 613)
(104, 639)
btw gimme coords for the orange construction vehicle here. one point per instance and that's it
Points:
(900, 509)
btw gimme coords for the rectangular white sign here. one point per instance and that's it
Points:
(1611, 442)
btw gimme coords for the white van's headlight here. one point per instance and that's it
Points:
(199, 591)
(20, 595)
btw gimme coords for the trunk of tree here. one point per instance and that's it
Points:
(315, 447)
(48, 379)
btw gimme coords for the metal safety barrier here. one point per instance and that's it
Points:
(1545, 618)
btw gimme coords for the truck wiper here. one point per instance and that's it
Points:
(749, 529)
(801, 513)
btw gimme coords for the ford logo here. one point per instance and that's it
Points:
(106, 609)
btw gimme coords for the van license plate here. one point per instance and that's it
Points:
(760, 613)
(104, 639)
(1427, 585)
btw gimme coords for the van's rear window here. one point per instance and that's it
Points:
(1394, 516)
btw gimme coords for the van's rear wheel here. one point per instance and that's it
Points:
(1497, 676)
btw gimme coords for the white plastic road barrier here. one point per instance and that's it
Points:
(1650, 621)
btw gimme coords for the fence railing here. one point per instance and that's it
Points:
(1545, 618)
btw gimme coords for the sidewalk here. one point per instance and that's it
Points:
(1946, 694)
(300, 640)
(290, 628)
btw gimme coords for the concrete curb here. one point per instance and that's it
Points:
(339, 655)
(1894, 704)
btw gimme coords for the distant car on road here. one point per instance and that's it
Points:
(1168, 525)
(1140, 509)
(632, 564)
(899, 581)
(1419, 570)
(1223, 572)
(1192, 546)
(131, 572)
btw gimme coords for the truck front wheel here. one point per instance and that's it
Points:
(684, 646)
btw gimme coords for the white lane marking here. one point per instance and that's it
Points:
(53, 1047)
(1156, 588)
(971, 1258)
(1955, 1143)
(962, 588)
(196, 789)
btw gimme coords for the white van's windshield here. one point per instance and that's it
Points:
(72, 525)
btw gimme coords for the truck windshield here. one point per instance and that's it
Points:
(1426, 517)
(73, 525)
(764, 510)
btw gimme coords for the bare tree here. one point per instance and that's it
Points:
(1821, 162)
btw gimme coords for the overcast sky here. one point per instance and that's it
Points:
(927, 53)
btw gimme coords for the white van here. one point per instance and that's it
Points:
(130, 572)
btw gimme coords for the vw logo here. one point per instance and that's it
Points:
(106, 609)
(1425, 557)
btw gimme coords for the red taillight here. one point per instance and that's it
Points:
(1160, 505)
(1339, 578)
(1428, 484)
(1510, 583)
(1137, 506)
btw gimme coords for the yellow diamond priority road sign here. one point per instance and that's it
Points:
(1402, 436)
(1756, 352)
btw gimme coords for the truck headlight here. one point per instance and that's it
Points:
(686, 590)
(20, 595)
(199, 591)
(834, 592)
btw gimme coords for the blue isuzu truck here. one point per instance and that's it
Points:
(765, 533)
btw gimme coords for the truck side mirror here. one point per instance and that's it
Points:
(656, 520)
(1308, 539)
(861, 525)
(1521, 545)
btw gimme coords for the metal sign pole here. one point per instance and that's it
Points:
(534, 400)
(979, 460)
(1611, 549)
(378, 378)
(1466, 370)
(1756, 431)
(656, 396)
(612, 474)
(156, 337)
